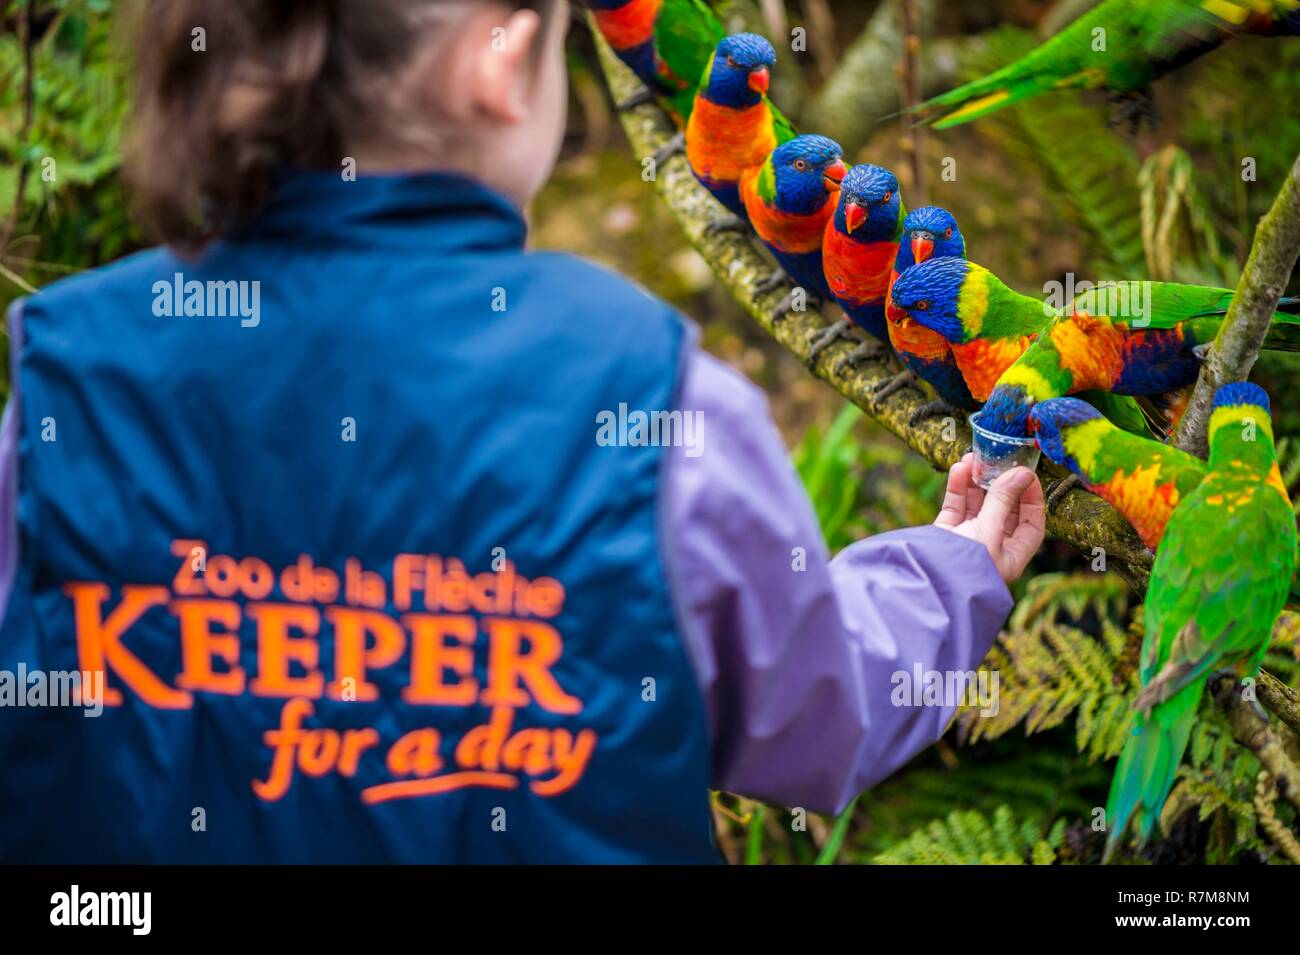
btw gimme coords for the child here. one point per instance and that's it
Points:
(348, 519)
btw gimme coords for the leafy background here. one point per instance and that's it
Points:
(1041, 190)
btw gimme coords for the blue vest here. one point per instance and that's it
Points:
(328, 511)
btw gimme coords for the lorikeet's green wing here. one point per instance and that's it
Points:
(782, 126)
(1220, 579)
(1142, 479)
(1163, 305)
(686, 34)
(1142, 41)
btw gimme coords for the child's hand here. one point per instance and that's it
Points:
(1008, 520)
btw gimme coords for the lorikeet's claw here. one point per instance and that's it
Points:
(811, 302)
(674, 147)
(1132, 109)
(904, 379)
(727, 223)
(1059, 490)
(639, 98)
(772, 282)
(866, 351)
(828, 336)
(934, 409)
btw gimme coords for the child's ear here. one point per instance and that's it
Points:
(505, 69)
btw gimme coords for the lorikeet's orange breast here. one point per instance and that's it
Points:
(857, 272)
(784, 231)
(630, 25)
(1091, 350)
(983, 361)
(721, 143)
(1143, 499)
(911, 337)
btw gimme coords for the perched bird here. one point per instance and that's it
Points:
(928, 232)
(788, 200)
(1220, 579)
(858, 253)
(1110, 348)
(1126, 338)
(733, 126)
(1142, 479)
(1122, 46)
(986, 324)
(666, 43)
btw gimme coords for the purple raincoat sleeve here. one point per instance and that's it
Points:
(800, 659)
(9, 472)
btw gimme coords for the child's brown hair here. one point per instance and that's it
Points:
(226, 92)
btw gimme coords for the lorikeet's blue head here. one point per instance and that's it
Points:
(607, 4)
(804, 170)
(1052, 420)
(1007, 411)
(930, 293)
(1239, 419)
(1238, 393)
(869, 204)
(929, 232)
(741, 71)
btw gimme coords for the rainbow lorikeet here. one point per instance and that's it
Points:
(666, 43)
(1126, 338)
(858, 252)
(1220, 579)
(928, 232)
(1122, 46)
(788, 200)
(733, 126)
(1142, 479)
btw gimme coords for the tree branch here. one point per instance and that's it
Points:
(1280, 699)
(1081, 519)
(1250, 729)
(1273, 255)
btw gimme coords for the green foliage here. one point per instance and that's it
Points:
(863, 481)
(1049, 667)
(1178, 232)
(72, 212)
(965, 838)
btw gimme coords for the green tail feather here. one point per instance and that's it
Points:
(970, 102)
(1147, 766)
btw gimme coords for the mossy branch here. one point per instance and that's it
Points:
(1250, 729)
(1273, 255)
(1081, 519)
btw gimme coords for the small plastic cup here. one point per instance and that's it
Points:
(995, 454)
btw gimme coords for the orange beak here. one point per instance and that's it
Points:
(834, 175)
(854, 216)
(922, 248)
(759, 79)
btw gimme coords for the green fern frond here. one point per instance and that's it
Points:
(969, 838)
(1048, 670)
